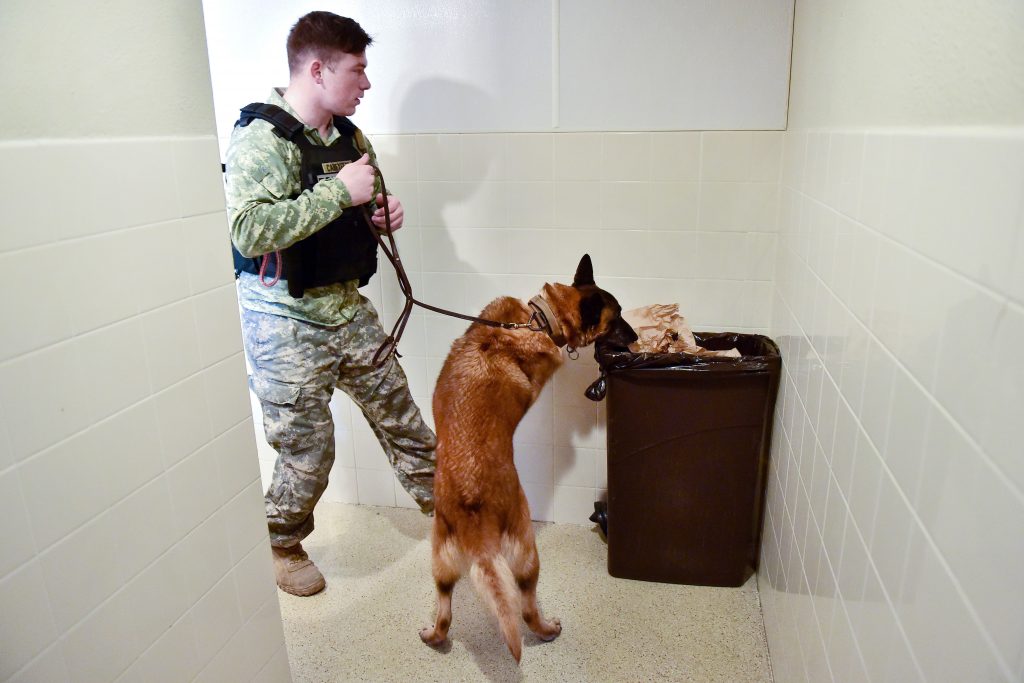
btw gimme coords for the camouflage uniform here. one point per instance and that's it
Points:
(301, 349)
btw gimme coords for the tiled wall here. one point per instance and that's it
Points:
(134, 545)
(894, 540)
(667, 217)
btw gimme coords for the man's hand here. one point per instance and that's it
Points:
(358, 179)
(397, 213)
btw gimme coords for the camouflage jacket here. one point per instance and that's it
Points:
(262, 176)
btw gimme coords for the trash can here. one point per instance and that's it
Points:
(688, 444)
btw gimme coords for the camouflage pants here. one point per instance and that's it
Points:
(295, 368)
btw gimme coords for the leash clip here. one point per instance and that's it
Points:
(572, 352)
(535, 324)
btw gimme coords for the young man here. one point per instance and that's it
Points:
(302, 249)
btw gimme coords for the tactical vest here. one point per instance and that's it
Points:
(342, 250)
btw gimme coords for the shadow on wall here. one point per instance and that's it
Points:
(458, 217)
(424, 106)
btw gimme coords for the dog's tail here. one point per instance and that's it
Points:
(497, 586)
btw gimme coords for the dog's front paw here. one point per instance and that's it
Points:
(551, 630)
(431, 637)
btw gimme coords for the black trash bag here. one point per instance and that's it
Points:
(600, 516)
(756, 351)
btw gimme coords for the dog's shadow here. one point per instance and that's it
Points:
(579, 423)
(474, 628)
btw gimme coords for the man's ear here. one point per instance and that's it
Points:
(584, 272)
(315, 70)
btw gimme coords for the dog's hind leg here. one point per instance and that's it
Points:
(446, 574)
(527, 572)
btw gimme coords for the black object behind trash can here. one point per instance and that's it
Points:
(688, 444)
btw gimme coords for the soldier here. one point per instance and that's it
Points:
(302, 248)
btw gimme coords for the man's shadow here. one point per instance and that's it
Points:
(435, 186)
(452, 214)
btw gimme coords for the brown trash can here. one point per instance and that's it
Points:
(688, 445)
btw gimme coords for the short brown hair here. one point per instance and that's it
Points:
(324, 34)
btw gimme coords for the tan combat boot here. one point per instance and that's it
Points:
(295, 572)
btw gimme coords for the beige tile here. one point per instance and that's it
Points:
(172, 657)
(217, 319)
(439, 157)
(738, 206)
(674, 205)
(574, 505)
(396, 156)
(741, 156)
(227, 401)
(104, 263)
(577, 205)
(529, 156)
(199, 178)
(483, 158)
(531, 204)
(577, 156)
(209, 245)
(376, 487)
(675, 157)
(625, 205)
(172, 344)
(626, 157)
(25, 223)
(86, 647)
(113, 363)
(43, 318)
(96, 577)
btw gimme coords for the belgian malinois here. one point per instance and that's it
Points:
(489, 380)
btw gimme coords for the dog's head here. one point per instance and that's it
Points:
(587, 312)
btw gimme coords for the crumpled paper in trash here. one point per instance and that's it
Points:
(661, 329)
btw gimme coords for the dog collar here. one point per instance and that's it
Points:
(543, 311)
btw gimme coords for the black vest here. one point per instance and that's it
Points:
(342, 250)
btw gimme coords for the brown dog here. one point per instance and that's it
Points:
(489, 380)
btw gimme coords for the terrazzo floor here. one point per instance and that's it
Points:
(364, 626)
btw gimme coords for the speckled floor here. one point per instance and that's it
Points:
(364, 626)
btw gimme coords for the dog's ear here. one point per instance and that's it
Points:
(591, 308)
(584, 272)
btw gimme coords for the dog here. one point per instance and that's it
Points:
(489, 379)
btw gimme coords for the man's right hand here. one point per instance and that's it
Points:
(358, 179)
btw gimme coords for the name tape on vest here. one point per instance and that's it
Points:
(333, 166)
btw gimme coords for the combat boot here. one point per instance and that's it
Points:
(295, 572)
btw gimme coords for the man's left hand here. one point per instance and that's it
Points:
(397, 213)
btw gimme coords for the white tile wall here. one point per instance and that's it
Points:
(894, 537)
(681, 217)
(135, 541)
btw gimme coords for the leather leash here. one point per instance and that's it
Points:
(540, 319)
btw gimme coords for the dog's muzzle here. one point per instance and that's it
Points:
(620, 334)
